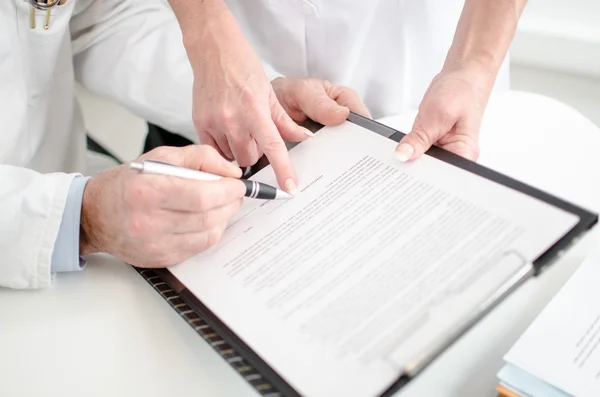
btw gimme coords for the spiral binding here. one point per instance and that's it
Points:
(248, 372)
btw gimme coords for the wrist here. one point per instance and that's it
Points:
(479, 72)
(88, 241)
(483, 36)
(479, 60)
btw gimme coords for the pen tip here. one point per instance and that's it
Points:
(283, 195)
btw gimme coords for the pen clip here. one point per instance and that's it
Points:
(140, 165)
(159, 162)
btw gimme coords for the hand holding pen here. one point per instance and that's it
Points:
(254, 189)
(153, 220)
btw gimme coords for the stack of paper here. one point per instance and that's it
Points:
(559, 354)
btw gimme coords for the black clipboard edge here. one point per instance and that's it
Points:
(232, 339)
(203, 322)
(272, 377)
(279, 385)
(587, 219)
(239, 345)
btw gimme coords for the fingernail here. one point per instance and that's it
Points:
(290, 186)
(404, 152)
(234, 169)
(308, 133)
(342, 109)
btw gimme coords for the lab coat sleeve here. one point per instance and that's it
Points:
(65, 256)
(31, 211)
(132, 52)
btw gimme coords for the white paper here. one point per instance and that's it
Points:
(331, 287)
(562, 346)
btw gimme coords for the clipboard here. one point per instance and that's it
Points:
(268, 382)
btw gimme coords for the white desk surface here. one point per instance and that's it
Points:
(105, 332)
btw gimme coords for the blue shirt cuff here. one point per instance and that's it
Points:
(65, 256)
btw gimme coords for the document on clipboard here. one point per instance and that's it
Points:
(376, 266)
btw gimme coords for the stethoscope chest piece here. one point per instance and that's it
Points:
(43, 6)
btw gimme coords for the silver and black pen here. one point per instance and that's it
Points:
(254, 189)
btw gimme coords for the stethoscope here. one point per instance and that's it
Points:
(38, 5)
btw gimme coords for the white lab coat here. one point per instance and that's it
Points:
(127, 50)
(387, 50)
(131, 52)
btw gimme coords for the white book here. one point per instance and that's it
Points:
(559, 354)
(374, 266)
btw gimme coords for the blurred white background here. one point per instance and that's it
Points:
(556, 52)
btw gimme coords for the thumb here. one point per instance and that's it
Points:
(425, 132)
(349, 98)
(319, 107)
(288, 129)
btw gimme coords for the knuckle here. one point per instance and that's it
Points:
(281, 118)
(138, 226)
(213, 237)
(201, 201)
(274, 144)
(235, 206)
(337, 90)
(205, 118)
(166, 261)
(350, 92)
(171, 259)
(253, 157)
(161, 264)
(227, 116)
(153, 249)
(306, 85)
(137, 192)
(445, 114)
(420, 136)
(160, 152)
(248, 159)
(206, 220)
(256, 108)
(205, 199)
(238, 139)
(250, 101)
(232, 194)
(439, 111)
(208, 151)
(201, 118)
(157, 262)
(321, 102)
(230, 191)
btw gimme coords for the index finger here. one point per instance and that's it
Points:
(271, 143)
(199, 196)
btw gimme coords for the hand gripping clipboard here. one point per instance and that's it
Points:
(269, 383)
